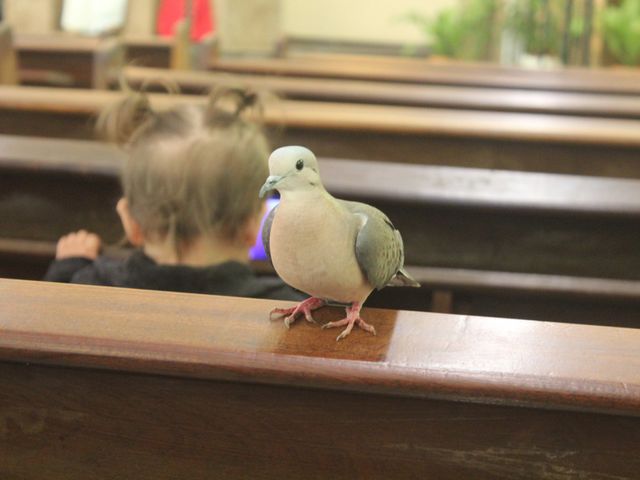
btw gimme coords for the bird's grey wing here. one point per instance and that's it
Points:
(266, 231)
(378, 247)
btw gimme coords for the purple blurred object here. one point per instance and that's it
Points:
(257, 251)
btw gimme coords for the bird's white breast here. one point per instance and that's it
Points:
(312, 247)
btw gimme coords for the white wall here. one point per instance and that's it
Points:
(356, 20)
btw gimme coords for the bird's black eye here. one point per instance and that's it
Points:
(300, 164)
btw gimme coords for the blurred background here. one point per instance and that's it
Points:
(529, 33)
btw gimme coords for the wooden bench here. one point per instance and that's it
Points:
(109, 383)
(423, 72)
(515, 141)
(177, 52)
(542, 246)
(439, 96)
(67, 60)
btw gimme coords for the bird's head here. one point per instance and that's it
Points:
(292, 168)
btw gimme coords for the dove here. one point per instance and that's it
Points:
(336, 251)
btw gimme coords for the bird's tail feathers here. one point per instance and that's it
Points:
(403, 279)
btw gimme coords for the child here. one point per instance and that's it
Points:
(190, 204)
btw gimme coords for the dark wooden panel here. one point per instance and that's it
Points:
(148, 51)
(172, 385)
(67, 60)
(88, 424)
(51, 124)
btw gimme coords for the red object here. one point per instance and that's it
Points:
(172, 11)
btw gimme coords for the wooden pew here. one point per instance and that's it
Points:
(423, 72)
(109, 383)
(177, 52)
(514, 141)
(549, 247)
(67, 60)
(439, 96)
(294, 46)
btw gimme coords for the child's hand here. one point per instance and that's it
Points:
(78, 244)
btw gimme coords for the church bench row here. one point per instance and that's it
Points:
(354, 91)
(563, 224)
(467, 222)
(106, 382)
(71, 60)
(548, 297)
(423, 72)
(85, 62)
(514, 141)
(67, 60)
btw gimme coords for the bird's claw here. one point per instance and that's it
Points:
(291, 314)
(349, 322)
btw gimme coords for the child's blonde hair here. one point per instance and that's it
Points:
(192, 169)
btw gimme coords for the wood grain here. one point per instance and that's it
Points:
(110, 383)
(415, 354)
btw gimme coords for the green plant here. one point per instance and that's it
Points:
(538, 24)
(621, 30)
(463, 31)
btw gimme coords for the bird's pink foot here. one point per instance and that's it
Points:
(305, 307)
(352, 318)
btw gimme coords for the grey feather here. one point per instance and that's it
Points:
(379, 249)
(266, 231)
(403, 279)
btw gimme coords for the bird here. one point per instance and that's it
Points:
(336, 251)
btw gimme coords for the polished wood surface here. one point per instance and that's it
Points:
(415, 71)
(515, 141)
(106, 383)
(470, 98)
(67, 60)
(458, 226)
(417, 354)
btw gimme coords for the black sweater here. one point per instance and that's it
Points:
(140, 271)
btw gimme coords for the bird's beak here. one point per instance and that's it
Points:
(270, 184)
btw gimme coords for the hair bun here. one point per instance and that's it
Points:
(247, 99)
(120, 121)
(227, 104)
